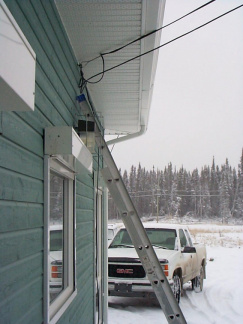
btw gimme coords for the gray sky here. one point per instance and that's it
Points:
(197, 105)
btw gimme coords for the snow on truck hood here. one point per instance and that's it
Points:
(124, 252)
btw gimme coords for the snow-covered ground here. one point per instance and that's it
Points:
(220, 302)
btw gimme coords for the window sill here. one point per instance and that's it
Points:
(62, 310)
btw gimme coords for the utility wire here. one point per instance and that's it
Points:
(83, 81)
(156, 48)
(169, 195)
(156, 30)
(148, 34)
(163, 190)
(177, 195)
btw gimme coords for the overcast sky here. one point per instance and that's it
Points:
(197, 106)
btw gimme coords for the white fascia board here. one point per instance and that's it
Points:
(152, 19)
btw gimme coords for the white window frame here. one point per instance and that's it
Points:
(65, 169)
(101, 252)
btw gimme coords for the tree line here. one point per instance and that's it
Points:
(215, 192)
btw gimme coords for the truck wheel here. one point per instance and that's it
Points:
(197, 282)
(176, 287)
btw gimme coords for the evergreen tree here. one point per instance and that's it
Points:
(162, 199)
(140, 190)
(153, 197)
(234, 192)
(224, 189)
(205, 194)
(132, 180)
(182, 191)
(214, 192)
(148, 193)
(169, 188)
(239, 190)
(195, 193)
(126, 180)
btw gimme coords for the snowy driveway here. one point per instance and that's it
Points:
(219, 303)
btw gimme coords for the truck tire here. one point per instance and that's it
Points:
(176, 287)
(197, 282)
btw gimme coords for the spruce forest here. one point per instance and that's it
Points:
(212, 192)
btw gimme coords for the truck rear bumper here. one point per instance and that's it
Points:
(55, 287)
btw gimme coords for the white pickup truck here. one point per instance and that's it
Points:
(180, 259)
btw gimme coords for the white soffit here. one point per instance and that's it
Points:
(123, 96)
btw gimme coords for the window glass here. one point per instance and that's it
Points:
(158, 237)
(122, 237)
(56, 240)
(56, 235)
(56, 198)
(60, 236)
(110, 234)
(188, 238)
(183, 239)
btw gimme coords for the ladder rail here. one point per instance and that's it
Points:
(139, 237)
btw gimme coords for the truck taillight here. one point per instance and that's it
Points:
(165, 265)
(166, 269)
(56, 271)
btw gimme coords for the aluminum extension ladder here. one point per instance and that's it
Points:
(139, 236)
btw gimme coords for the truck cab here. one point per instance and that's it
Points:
(179, 259)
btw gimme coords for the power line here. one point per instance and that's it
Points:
(148, 34)
(169, 195)
(83, 81)
(160, 190)
(156, 30)
(156, 48)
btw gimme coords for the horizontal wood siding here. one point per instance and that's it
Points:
(20, 215)
(22, 176)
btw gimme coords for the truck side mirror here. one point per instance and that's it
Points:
(189, 249)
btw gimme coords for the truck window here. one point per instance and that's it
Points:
(56, 240)
(158, 236)
(188, 237)
(110, 234)
(183, 239)
(122, 237)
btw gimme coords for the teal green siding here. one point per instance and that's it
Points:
(22, 176)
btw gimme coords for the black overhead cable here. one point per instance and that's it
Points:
(148, 34)
(156, 48)
(83, 81)
(156, 30)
